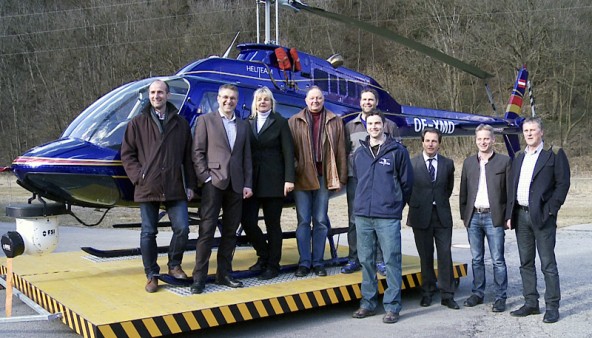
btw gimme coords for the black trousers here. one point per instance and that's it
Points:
(424, 240)
(214, 199)
(269, 250)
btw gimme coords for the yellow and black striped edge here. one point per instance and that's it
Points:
(204, 318)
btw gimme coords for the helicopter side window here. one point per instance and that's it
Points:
(343, 87)
(334, 82)
(321, 80)
(208, 103)
(351, 89)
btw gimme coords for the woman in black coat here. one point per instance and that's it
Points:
(273, 178)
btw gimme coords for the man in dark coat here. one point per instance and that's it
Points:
(156, 155)
(483, 196)
(540, 182)
(431, 218)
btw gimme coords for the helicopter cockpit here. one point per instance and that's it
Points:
(103, 123)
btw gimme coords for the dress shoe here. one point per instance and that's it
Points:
(261, 265)
(151, 285)
(363, 313)
(229, 281)
(197, 287)
(302, 271)
(450, 303)
(525, 310)
(268, 274)
(426, 301)
(551, 316)
(319, 271)
(390, 317)
(177, 272)
(499, 305)
(473, 300)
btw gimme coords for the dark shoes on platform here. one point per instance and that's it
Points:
(302, 271)
(261, 265)
(363, 313)
(151, 285)
(269, 273)
(319, 271)
(426, 301)
(177, 272)
(450, 303)
(198, 287)
(229, 281)
(473, 300)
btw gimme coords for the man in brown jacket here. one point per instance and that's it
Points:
(321, 166)
(156, 155)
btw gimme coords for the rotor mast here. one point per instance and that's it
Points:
(268, 4)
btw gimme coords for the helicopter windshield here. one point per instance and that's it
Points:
(104, 122)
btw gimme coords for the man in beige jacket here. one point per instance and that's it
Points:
(321, 166)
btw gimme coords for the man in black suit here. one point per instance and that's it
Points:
(222, 162)
(483, 197)
(541, 180)
(431, 218)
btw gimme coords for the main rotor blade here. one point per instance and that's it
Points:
(388, 34)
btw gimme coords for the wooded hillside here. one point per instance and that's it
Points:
(59, 56)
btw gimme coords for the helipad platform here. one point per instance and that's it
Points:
(105, 297)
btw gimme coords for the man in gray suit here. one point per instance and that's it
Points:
(431, 218)
(222, 161)
(483, 196)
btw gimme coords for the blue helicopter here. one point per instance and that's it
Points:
(83, 167)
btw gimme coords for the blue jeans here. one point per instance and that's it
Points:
(481, 226)
(177, 211)
(388, 234)
(352, 241)
(312, 205)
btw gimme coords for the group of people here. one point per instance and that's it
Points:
(244, 166)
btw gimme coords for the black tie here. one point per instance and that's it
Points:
(432, 170)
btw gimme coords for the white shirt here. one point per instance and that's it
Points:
(482, 198)
(261, 118)
(526, 171)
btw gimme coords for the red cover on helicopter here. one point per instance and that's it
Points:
(295, 59)
(283, 60)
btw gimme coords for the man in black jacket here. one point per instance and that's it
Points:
(431, 218)
(540, 182)
(483, 196)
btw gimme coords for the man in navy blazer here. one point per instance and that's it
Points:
(222, 162)
(483, 197)
(540, 182)
(431, 218)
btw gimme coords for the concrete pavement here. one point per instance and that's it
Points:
(573, 251)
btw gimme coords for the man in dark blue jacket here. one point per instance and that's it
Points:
(385, 177)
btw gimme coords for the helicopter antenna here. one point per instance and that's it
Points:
(231, 45)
